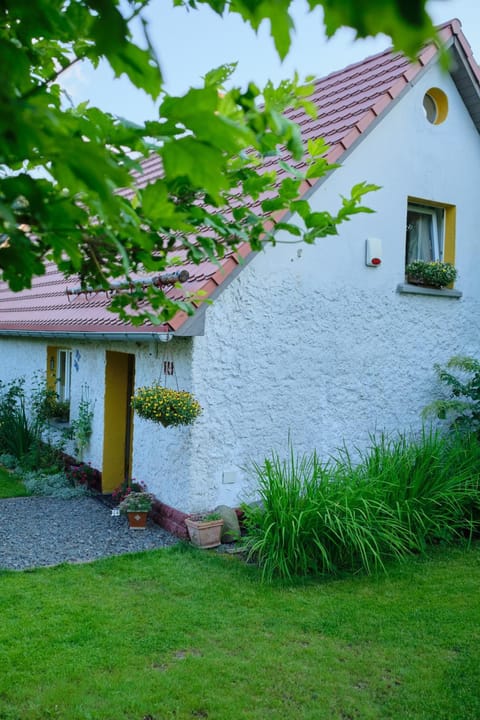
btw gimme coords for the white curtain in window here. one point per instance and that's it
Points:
(419, 236)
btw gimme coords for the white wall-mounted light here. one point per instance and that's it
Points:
(373, 252)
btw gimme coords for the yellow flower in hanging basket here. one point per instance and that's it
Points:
(168, 407)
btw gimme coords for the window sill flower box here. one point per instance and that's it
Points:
(431, 274)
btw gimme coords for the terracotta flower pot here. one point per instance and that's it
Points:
(137, 519)
(205, 533)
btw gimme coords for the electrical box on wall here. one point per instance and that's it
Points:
(229, 477)
(373, 252)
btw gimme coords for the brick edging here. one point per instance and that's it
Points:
(169, 519)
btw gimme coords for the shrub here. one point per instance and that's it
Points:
(462, 377)
(19, 430)
(59, 409)
(23, 419)
(84, 474)
(52, 484)
(402, 494)
(8, 461)
(81, 428)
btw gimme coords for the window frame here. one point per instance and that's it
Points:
(437, 230)
(449, 224)
(64, 390)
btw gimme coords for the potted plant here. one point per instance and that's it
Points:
(167, 407)
(431, 274)
(136, 505)
(60, 410)
(127, 486)
(205, 531)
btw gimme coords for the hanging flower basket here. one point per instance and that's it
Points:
(167, 407)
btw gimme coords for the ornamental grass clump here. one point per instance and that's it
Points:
(392, 501)
(167, 407)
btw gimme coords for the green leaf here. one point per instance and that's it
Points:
(301, 207)
(405, 21)
(138, 65)
(319, 168)
(202, 164)
(160, 209)
(218, 76)
(281, 24)
(273, 204)
(290, 228)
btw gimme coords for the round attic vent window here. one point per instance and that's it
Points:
(435, 105)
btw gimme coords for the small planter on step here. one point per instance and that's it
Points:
(205, 531)
(137, 520)
(136, 505)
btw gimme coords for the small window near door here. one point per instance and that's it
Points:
(425, 233)
(64, 375)
(59, 375)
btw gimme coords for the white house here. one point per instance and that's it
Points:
(307, 343)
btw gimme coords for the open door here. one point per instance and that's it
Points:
(118, 420)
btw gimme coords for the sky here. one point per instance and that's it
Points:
(191, 43)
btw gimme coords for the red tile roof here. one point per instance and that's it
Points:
(349, 103)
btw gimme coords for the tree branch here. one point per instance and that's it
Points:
(51, 79)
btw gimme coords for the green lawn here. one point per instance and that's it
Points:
(10, 486)
(176, 634)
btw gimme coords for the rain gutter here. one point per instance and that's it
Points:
(92, 336)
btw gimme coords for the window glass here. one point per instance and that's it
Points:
(64, 371)
(435, 106)
(424, 233)
(430, 108)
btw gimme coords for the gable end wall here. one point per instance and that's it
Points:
(309, 344)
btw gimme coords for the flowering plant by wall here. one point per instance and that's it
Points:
(136, 502)
(168, 407)
(127, 487)
(436, 274)
(84, 474)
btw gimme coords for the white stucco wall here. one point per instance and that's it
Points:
(311, 344)
(161, 458)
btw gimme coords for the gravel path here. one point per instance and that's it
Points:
(40, 531)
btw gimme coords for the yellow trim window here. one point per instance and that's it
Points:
(59, 372)
(430, 232)
(424, 233)
(64, 374)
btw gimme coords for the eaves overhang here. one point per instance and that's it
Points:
(90, 336)
(466, 81)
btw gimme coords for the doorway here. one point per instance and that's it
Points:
(118, 419)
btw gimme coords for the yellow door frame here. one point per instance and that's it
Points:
(118, 419)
